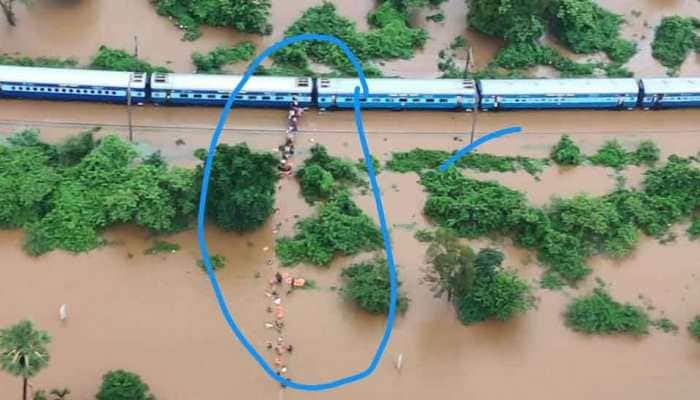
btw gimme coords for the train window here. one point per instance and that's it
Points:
(211, 96)
(239, 97)
(266, 97)
(403, 100)
(348, 99)
(279, 98)
(443, 100)
(415, 100)
(430, 100)
(197, 96)
(376, 99)
(64, 90)
(363, 100)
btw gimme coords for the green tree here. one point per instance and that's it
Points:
(673, 40)
(8, 8)
(241, 191)
(566, 152)
(451, 265)
(367, 284)
(123, 385)
(598, 313)
(23, 351)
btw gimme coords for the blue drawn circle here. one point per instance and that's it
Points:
(377, 198)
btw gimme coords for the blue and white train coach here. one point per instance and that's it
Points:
(72, 84)
(670, 92)
(514, 94)
(399, 94)
(259, 91)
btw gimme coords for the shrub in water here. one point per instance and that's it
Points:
(566, 152)
(212, 62)
(47, 62)
(367, 284)
(123, 385)
(694, 327)
(340, 228)
(675, 37)
(161, 246)
(694, 229)
(241, 192)
(119, 60)
(599, 314)
(217, 262)
(241, 15)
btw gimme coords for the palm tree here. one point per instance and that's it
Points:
(23, 351)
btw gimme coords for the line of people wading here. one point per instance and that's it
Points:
(287, 149)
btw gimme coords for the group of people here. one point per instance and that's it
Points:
(287, 149)
(277, 284)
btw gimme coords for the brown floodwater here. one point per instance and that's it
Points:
(156, 315)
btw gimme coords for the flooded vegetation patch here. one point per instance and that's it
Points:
(339, 228)
(241, 194)
(122, 385)
(418, 160)
(612, 154)
(477, 284)
(213, 61)
(119, 60)
(665, 325)
(597, 313)
(566, 152)
(241, 15)
(367, 285)
(694, 327)
(217, 262)
(161, 246)
(674, 38)
(48, 62)
(694, 229)
(582, 25)
(567, 231)
(390, 38)
(322, 175)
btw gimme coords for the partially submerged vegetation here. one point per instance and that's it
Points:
(675, 37)
(568, 231)
(566, 152)
(339, 228)
(390, 37)
(581, 25)
(217, 262)
(612, 154)
(119, 60)
(48, 62)
(597, 313)
(418, 160)
(322, 175)
(213, 61)
(477, 284)
(694, 327)
(161, 246)
(367, 284)
(241, 15)
(65, 195)
(694, 229)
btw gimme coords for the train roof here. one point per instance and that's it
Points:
(398, 86)
(490, 87)
(226, 83)
(71, 77)
(671, 85)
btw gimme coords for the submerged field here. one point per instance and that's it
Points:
(156, 315)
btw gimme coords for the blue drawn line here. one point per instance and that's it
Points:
(377, 197)
(477, 143)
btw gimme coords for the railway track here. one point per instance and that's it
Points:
(207, 130)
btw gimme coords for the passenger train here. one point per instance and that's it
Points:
(331, 93)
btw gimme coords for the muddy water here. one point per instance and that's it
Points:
(62, 28)
(156, 314)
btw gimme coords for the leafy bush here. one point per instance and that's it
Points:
(119, 60)
(391, 38)
(566, 152)
(48, 62)
(212, 62)
(612, 155)
(321, 171)
(694, 327)
(647, 153)
(585, 27)
(241, 15)
(599, 314)
(367, 284)
(675, 37)
(217, 262)
(242, 189)
(339, 228)
(418, 160)
(694, 229)
(65, 194)
(665, 325)
(123, 385)
(161, 246)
